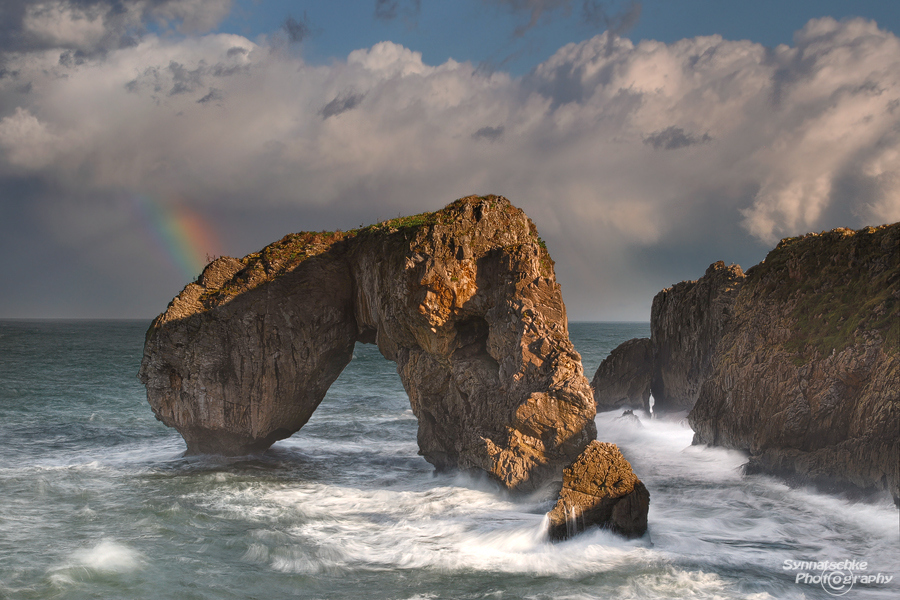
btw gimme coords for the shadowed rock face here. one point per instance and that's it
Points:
(623, 378)
(797, 362)
(806, 376)
(464, 300)
(686, 322)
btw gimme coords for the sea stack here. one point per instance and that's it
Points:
(687, 321)
(599, 488)
(623, 378)
(464, 300)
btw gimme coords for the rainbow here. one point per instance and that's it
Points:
(179, 234)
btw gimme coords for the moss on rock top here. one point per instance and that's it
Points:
(840, 285)
(424, 232)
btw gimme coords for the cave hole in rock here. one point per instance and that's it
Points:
(367, 412)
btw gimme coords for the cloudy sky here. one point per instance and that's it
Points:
(645, 139)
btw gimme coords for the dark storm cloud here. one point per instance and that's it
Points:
(11, 14)
(184, 80)
(536, 9)
(72, 58)
(388, 10)
(564, 83)
(341, 104)
(672, 138)
(20, 31)
(620, 216)
(221, 70)
(296, 30)
(214, 95)
(617, 23)
(491, 134)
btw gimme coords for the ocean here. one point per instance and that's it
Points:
(97, 501)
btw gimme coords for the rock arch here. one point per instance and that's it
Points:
(464, 300)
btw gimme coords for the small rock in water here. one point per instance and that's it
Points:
(600, 488)
(629, 417)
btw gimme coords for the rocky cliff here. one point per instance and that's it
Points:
(623, 378)
(795, 362)
(806, 374)
(464, 300)
(686, 322)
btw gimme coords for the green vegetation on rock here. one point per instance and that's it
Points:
(834, 297)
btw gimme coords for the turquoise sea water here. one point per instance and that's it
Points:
(96, 500)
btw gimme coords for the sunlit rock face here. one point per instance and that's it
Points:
(464, 300)
(600, 489)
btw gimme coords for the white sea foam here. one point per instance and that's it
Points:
(109, 557)
(125, 458)
(105, 559)
(702, 512)
(663, 445)
(675, 583)
(321, 446)
(446, 527)
(347, 505)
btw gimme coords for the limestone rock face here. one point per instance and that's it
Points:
(237, 376)
(806, 375)
(623, 378)
(686, 322)
(600, 488)
(464, 300)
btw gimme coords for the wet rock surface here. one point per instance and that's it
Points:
(600, 489)
(464, 300)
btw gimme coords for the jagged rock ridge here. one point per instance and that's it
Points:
(464, 300)
(686, 322)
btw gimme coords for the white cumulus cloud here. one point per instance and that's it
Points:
(619, 151)
(26, 141)
(90, 26)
